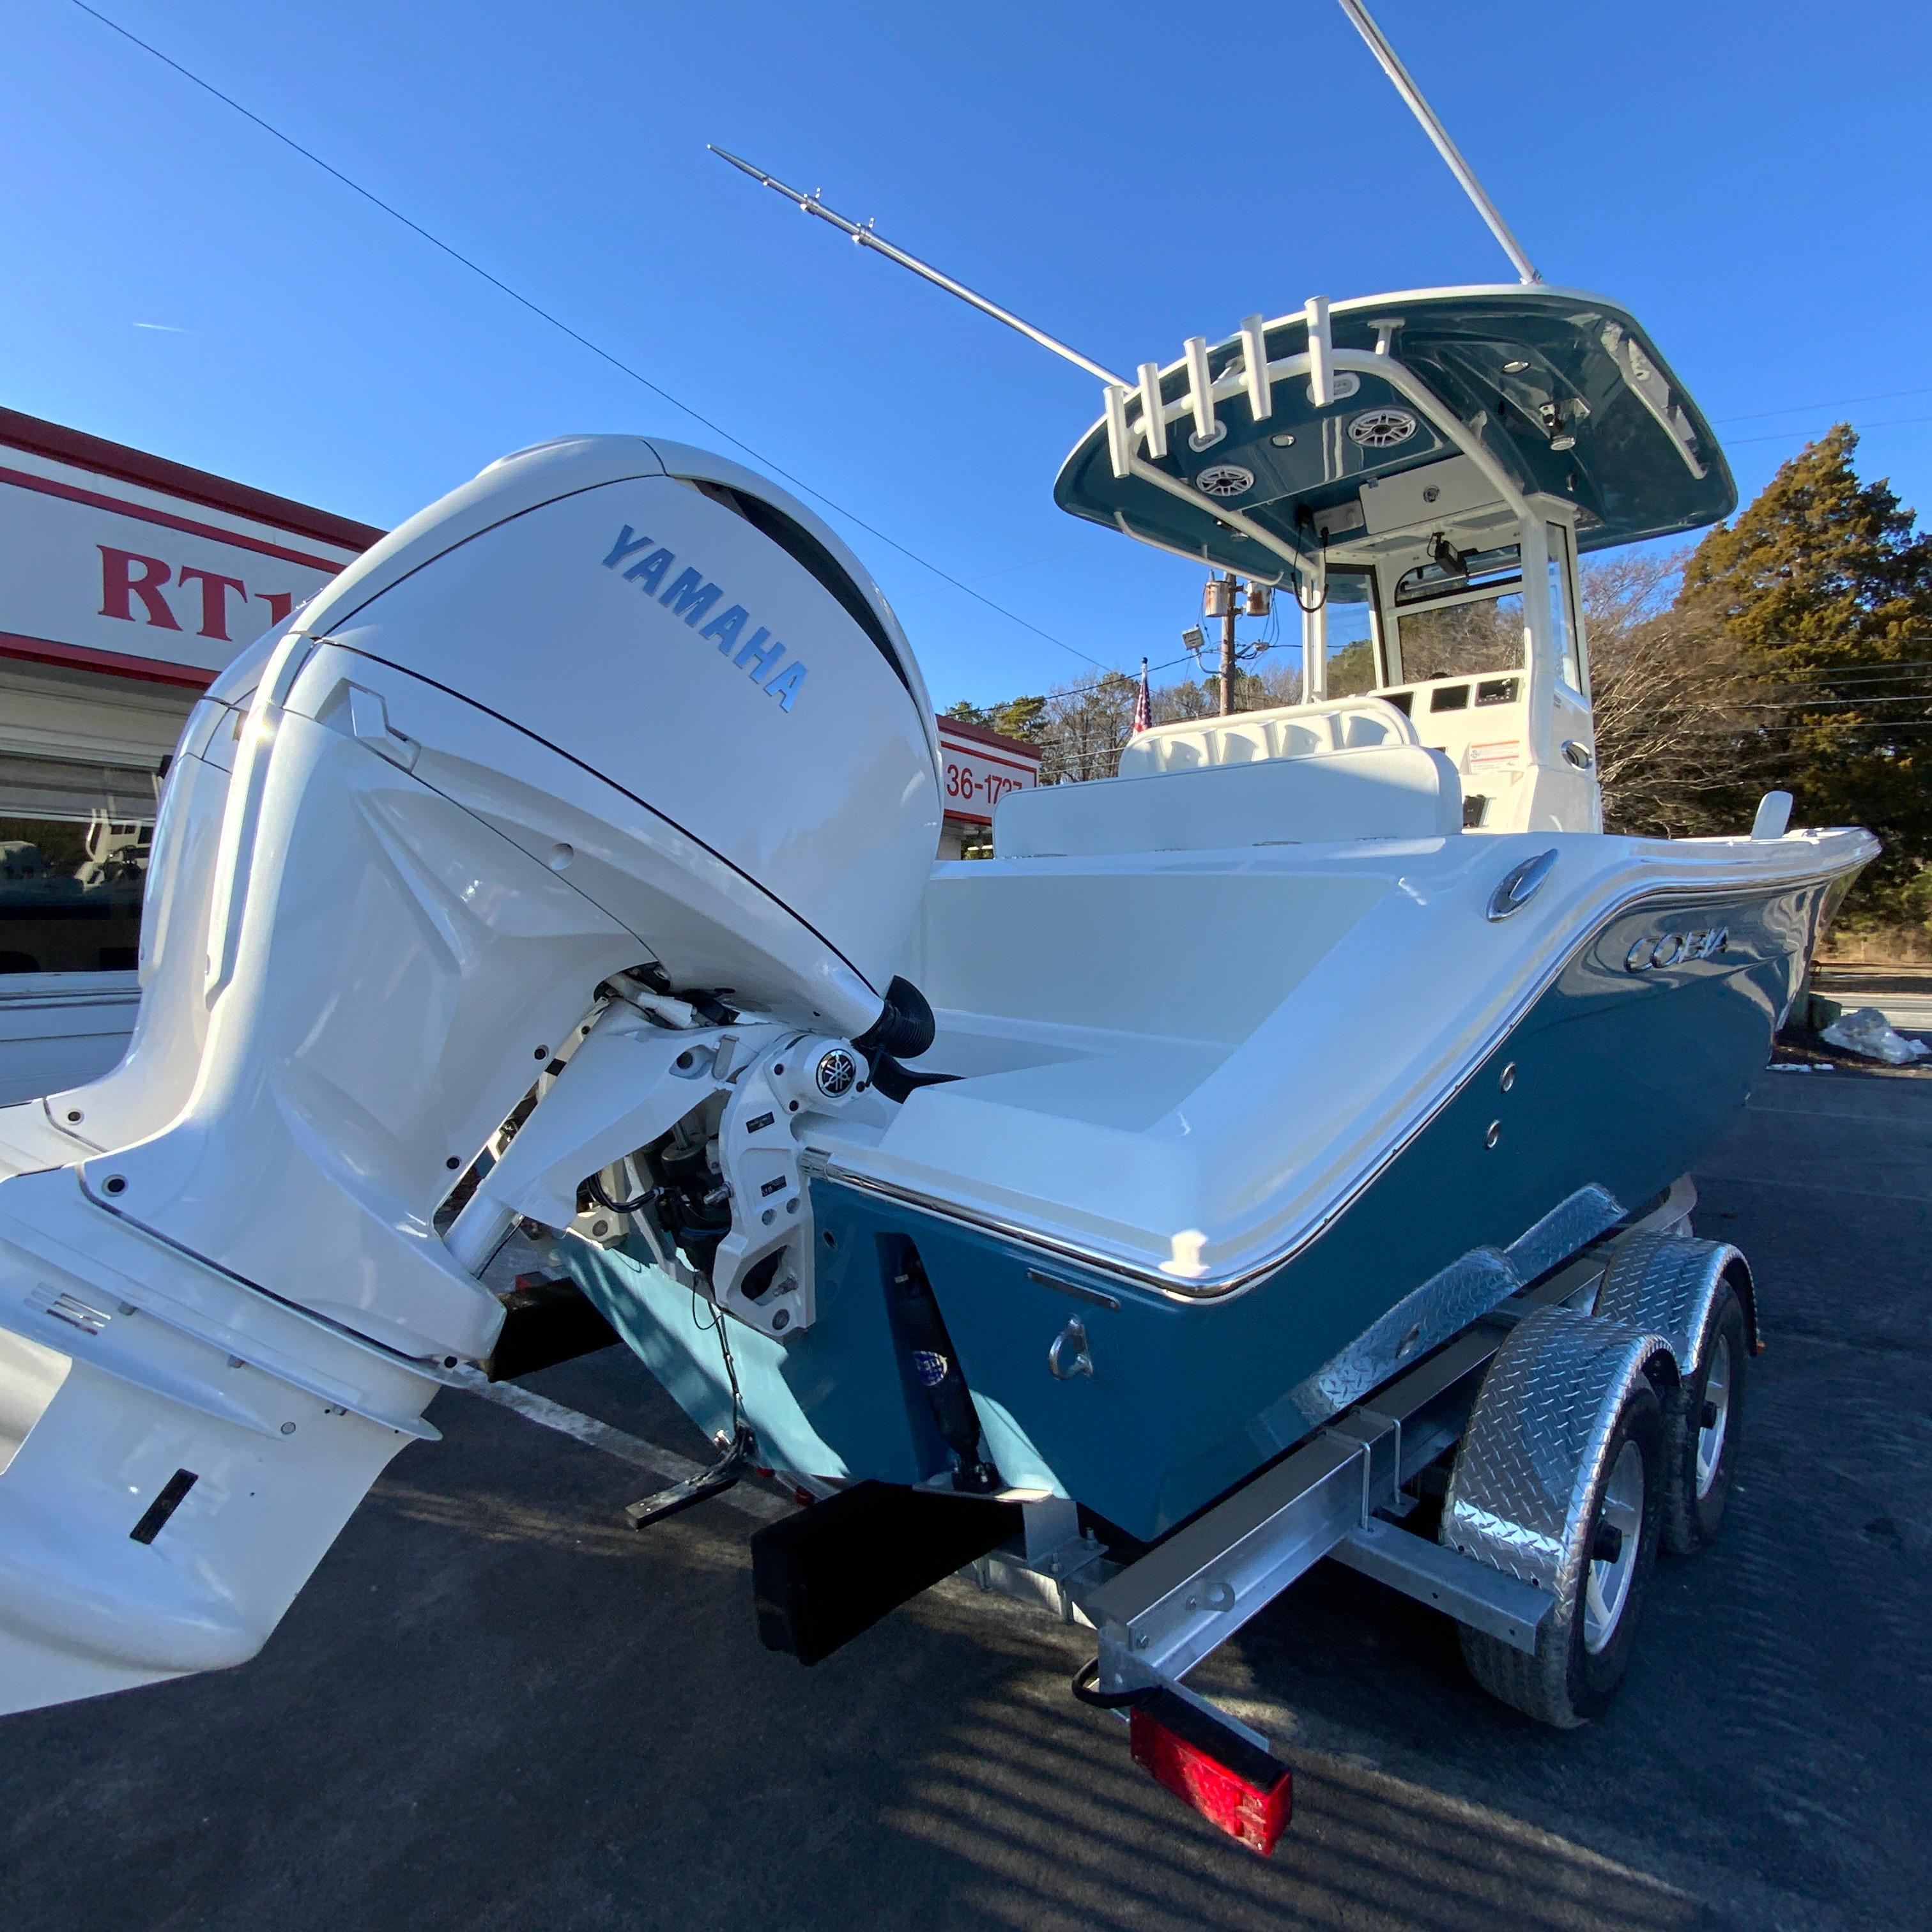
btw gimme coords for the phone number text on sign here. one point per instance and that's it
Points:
(985, 788)
(977, 781)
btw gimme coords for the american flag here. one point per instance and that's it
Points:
(1143, 704)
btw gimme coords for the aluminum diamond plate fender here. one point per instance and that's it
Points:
(1569, 1227)
(1666, 1283)
(1534, 1449)
(1445, 1304)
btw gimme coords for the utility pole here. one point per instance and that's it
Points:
(1223, 599)
(1229, 583)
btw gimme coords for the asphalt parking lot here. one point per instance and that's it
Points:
(496, 1707)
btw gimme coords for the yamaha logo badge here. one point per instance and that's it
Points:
(837, 1071)
(1225, 479)
(1674, 948)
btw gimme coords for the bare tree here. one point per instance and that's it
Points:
(1686, 732)
(1679, 741)
(1083, 726)
(1463, 640)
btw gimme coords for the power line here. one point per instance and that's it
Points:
(1099, 684)
(1882, 676)
(1904, 670)
(1784, 436)
(1873, 683)
(1860, 690)
(576, 335)
(1030, 563)
(1843, 402)
(1736, 733)
(1802, 703)
(1873, 668)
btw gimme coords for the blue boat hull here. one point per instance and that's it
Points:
(1622, 1080)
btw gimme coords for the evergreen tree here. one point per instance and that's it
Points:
(1825, 585)
(1023, 718)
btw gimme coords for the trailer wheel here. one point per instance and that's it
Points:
(1698, 1296)
(1584, 1647)
(1560, 1481)
(1701, 1423)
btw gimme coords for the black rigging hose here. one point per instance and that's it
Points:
(905, 1027)
(594, 1187)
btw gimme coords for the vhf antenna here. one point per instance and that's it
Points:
(1431, 125)
(866, 238)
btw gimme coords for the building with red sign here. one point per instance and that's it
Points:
(127, 581)
(981, 767)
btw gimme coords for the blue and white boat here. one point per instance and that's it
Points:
(1267, 1140)
(1254, 1055)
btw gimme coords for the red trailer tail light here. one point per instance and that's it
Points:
(1249, 1793)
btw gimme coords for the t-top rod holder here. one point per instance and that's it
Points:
(866, 238)
(1431, 125)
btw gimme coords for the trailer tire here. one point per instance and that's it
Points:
(1702, 1456)
(1584, 1646)
(1699, 1297)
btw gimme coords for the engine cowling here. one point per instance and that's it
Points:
(614, 711)
(583, 714)
(673, 624)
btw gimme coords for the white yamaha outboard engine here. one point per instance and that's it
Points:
(580, 824)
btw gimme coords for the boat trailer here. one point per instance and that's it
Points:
(1554, 1428)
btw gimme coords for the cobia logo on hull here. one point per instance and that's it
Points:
(691, 597)
(1674, 948)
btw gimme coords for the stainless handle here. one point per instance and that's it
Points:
(1066, 1355)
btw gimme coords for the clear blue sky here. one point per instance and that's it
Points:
(1748, 175)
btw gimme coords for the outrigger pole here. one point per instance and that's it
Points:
(1255, 372)
(1431, 125)
(866, 237)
